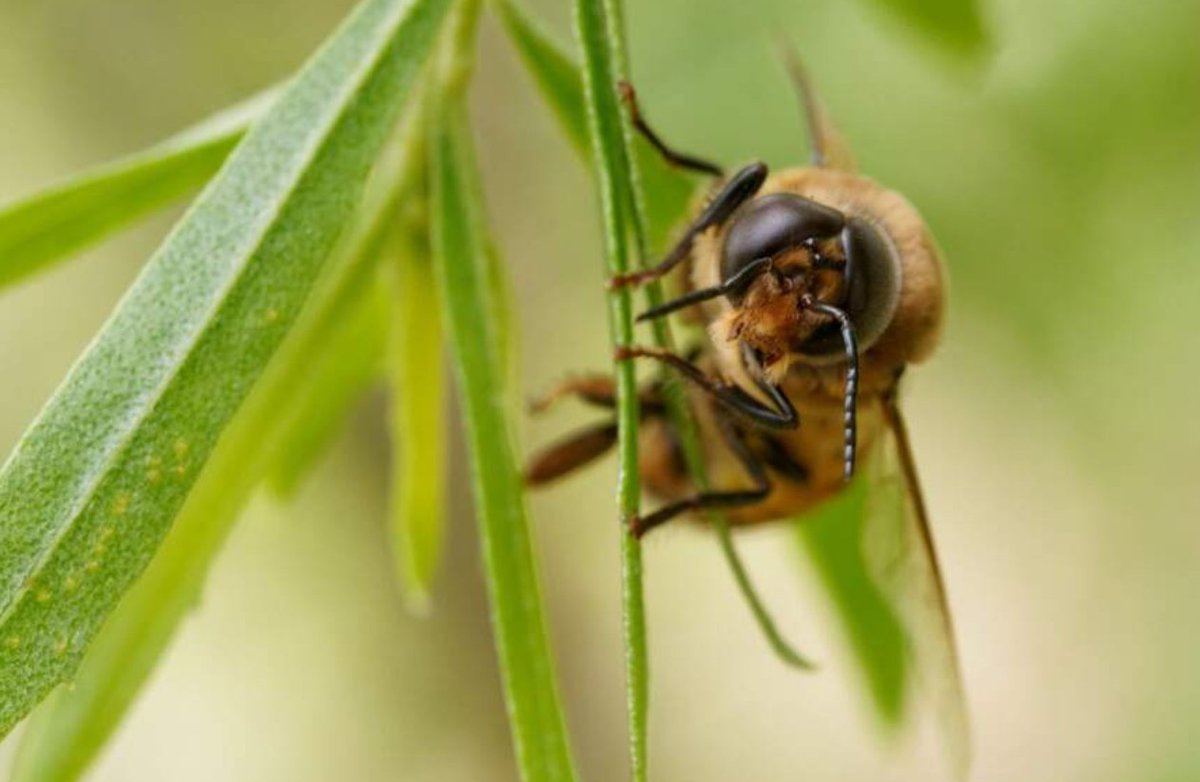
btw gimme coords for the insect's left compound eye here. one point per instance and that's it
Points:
(772, 225)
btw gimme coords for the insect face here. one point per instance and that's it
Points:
(784, 252)
(774, 226)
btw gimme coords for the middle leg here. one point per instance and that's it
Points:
(712, 500)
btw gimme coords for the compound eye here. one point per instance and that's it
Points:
(773, 224)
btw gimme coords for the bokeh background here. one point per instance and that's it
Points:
(1056, 428)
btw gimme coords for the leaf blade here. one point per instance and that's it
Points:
(90, 491)
(47, 226)
(668, 190)
(70, 727)
(596, 26)
(957, 25)
(465, 286)
(417, 424)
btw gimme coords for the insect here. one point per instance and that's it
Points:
(817, 287)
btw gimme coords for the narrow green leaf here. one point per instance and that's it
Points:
(668, 190)
(41, 229)
(461, 267)
(625, 209)
(70, 727)
(553, 70)
(832, 539)
(610, 154)
(328, 398)
(418, 414)
(955, 24)
(92, 488)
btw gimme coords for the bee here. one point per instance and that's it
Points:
(817, 288)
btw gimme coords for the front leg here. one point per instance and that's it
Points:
(782, 415)
(739, 189)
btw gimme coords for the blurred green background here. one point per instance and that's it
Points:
(1055, 428)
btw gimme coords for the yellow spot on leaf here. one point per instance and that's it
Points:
(92, 566)
(42, 596)
(121, 503)
(154, 475)
(70, 584)
(60, 648)
(271, 315)
(181, 448)
(13, 642)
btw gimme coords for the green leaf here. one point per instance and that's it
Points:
(956, 24)
(328, 398)
(668, 190)
(70, 727)
(39, 230)
(625, 210)
(594, 20)
(554, 72)
(465, 284)
(418, 413)
(832, 538)
(92, 488)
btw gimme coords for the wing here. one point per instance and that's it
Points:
(900, 551)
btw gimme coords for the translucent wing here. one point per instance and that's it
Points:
(873, 552)
(899, 550)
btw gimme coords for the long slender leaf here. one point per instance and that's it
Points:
(418, 416)
(46, 227)
(955, 24)
(554, 71)
(70, 727)
(92, 488)
(329, 397)
(465, 284)
(558, 78)
(610, 153)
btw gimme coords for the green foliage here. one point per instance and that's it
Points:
(73, 723)
(240, 350)
(94, 485)
(47, 227)
(594, 20)
(555, 73)
(466, 285)
(329, 397)
(954, 24)
(668, 190)
(417, 420)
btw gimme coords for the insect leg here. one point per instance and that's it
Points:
(749, 271)
(781, 416)
(714, 499)
(740, 188)
(672, 157)
(595, 389)
(570, 454)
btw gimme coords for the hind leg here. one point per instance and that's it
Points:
(594, 389)
(585, 445)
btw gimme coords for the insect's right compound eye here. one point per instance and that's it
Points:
(771, 225)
